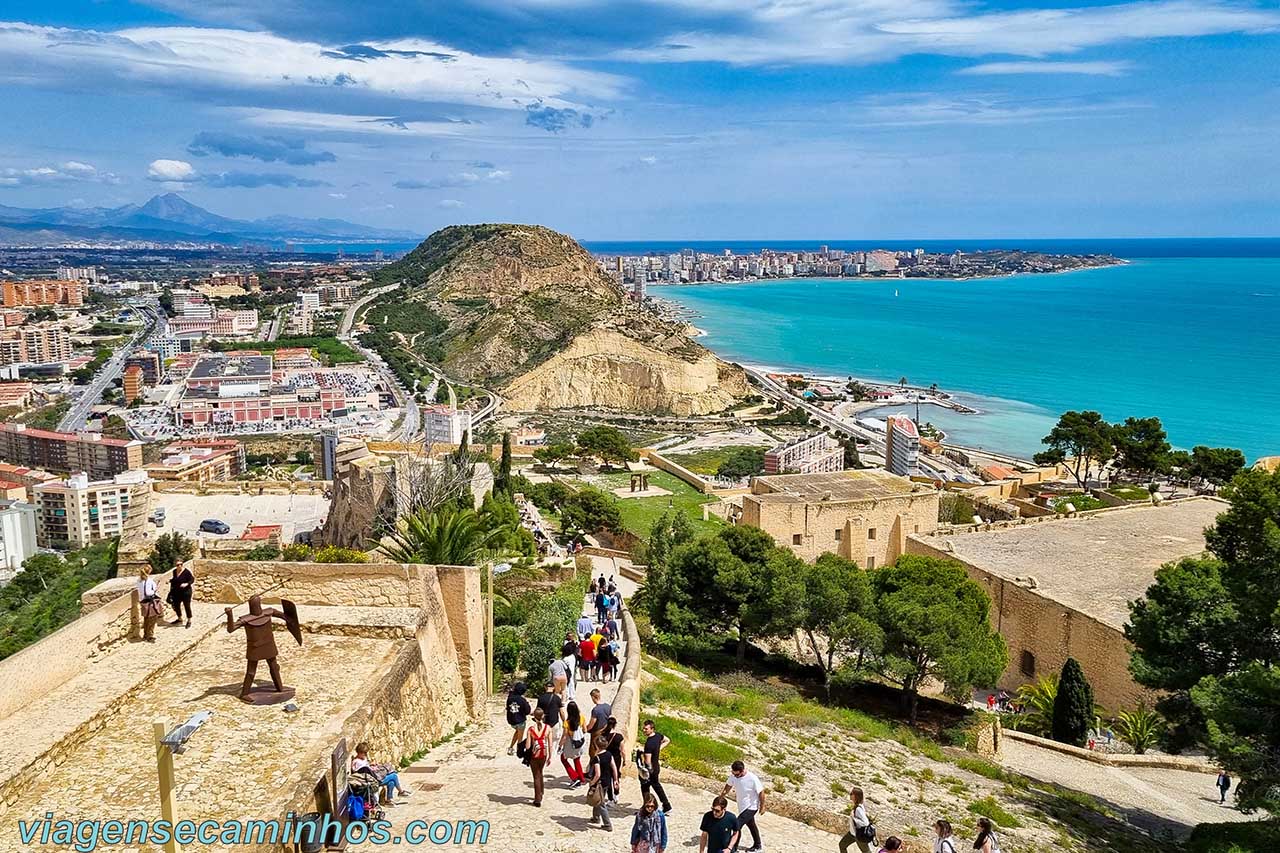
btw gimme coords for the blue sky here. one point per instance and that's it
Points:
(673, 119)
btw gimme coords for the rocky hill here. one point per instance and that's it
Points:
(527, 311)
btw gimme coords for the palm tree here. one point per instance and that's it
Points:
(447, 536)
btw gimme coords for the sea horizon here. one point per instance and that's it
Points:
(1194, 340)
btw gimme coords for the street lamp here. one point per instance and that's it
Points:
(171, 742)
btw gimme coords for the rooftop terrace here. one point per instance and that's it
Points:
(1095, 563)
(833, 487)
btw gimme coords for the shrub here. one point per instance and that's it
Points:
(1250, 837)
(1141, 728)
(262, 552)
(334, 554)
(553, 617)
(296, 553)
(506, 648)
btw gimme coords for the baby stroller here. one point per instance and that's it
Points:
(363, 788)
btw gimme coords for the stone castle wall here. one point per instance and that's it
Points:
(1051, 632)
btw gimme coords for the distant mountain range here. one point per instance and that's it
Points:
(170, 218)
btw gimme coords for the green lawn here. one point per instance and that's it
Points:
(1079, 500)
(639, 514)
(1130, 492)
(704, 462)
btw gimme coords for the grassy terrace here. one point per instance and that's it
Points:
(810, 752)
(1130, 492)
(639, 514)
(704, 462)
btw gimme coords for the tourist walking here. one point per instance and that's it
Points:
(986, 842)
(651, 757)
(570, 661)
(537, 747)
(604, 657)
(719, 829)
(558, 675)
(551, 704)
(649, 833)
(603, 780)
(584, 626)
(587, 659)
(572, 743)
(943, 842)
(861, 832)
(1224, 785)
(892, 844)
(749, 792)
(602, 606)
(614, 742)
(149, 604)
(180, 589)
(599, 721)
(517, 714)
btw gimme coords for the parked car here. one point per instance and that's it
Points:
(212, 525)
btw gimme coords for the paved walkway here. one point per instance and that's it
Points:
(472, 778)
(1169, 801)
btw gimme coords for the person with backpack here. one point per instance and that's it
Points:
(1224, 785)
(986, 842)
(517, 714)
(603, 780)
(602, 606)
(537, 748)
(943, 842)
(861, 831)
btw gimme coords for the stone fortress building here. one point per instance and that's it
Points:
(392, 654)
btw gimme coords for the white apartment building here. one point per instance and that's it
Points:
(76, 512)
(443, 425)
(901, 446)
(17, 537)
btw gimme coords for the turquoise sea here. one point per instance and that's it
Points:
(1193, 340)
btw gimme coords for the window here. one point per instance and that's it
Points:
(871, 562)
(916, 529)
(871, 533)
(1028, 664)
(796, 539)
(839, 532)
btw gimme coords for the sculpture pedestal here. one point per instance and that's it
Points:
(265, 694)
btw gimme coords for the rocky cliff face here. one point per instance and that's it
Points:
(529, 313)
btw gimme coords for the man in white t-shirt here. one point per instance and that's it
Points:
(749, 792)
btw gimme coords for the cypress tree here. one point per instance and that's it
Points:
(502, 483)
(1073, 706)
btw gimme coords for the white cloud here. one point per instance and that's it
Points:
(1101, 68)
(338, 196)
(865, 31)
(449, 203)
(68, 172)
(497, 175)
(177, 171)
(987, 109)
(402, 69)
(347, 123)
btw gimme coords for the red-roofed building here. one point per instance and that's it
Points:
(99, 457)
(12, 491)
(262, 533)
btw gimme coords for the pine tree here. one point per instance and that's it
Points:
(1073, 706)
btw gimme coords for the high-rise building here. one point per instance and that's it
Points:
(132, 383)
(77, 511)
(18, 294)
(67, 452)
(148, 363)
(901, 445)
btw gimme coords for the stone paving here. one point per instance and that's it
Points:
(1167, 801)
(472, 778)
(242, 765)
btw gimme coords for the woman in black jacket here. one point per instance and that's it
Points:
(180, 584)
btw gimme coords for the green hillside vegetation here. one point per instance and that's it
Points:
(45, 595)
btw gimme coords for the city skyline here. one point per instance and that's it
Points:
(665, 120)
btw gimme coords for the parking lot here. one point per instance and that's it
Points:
(295, 513)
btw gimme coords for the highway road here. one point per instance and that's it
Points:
(78, 415)
(411, 424)
(941, 469)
